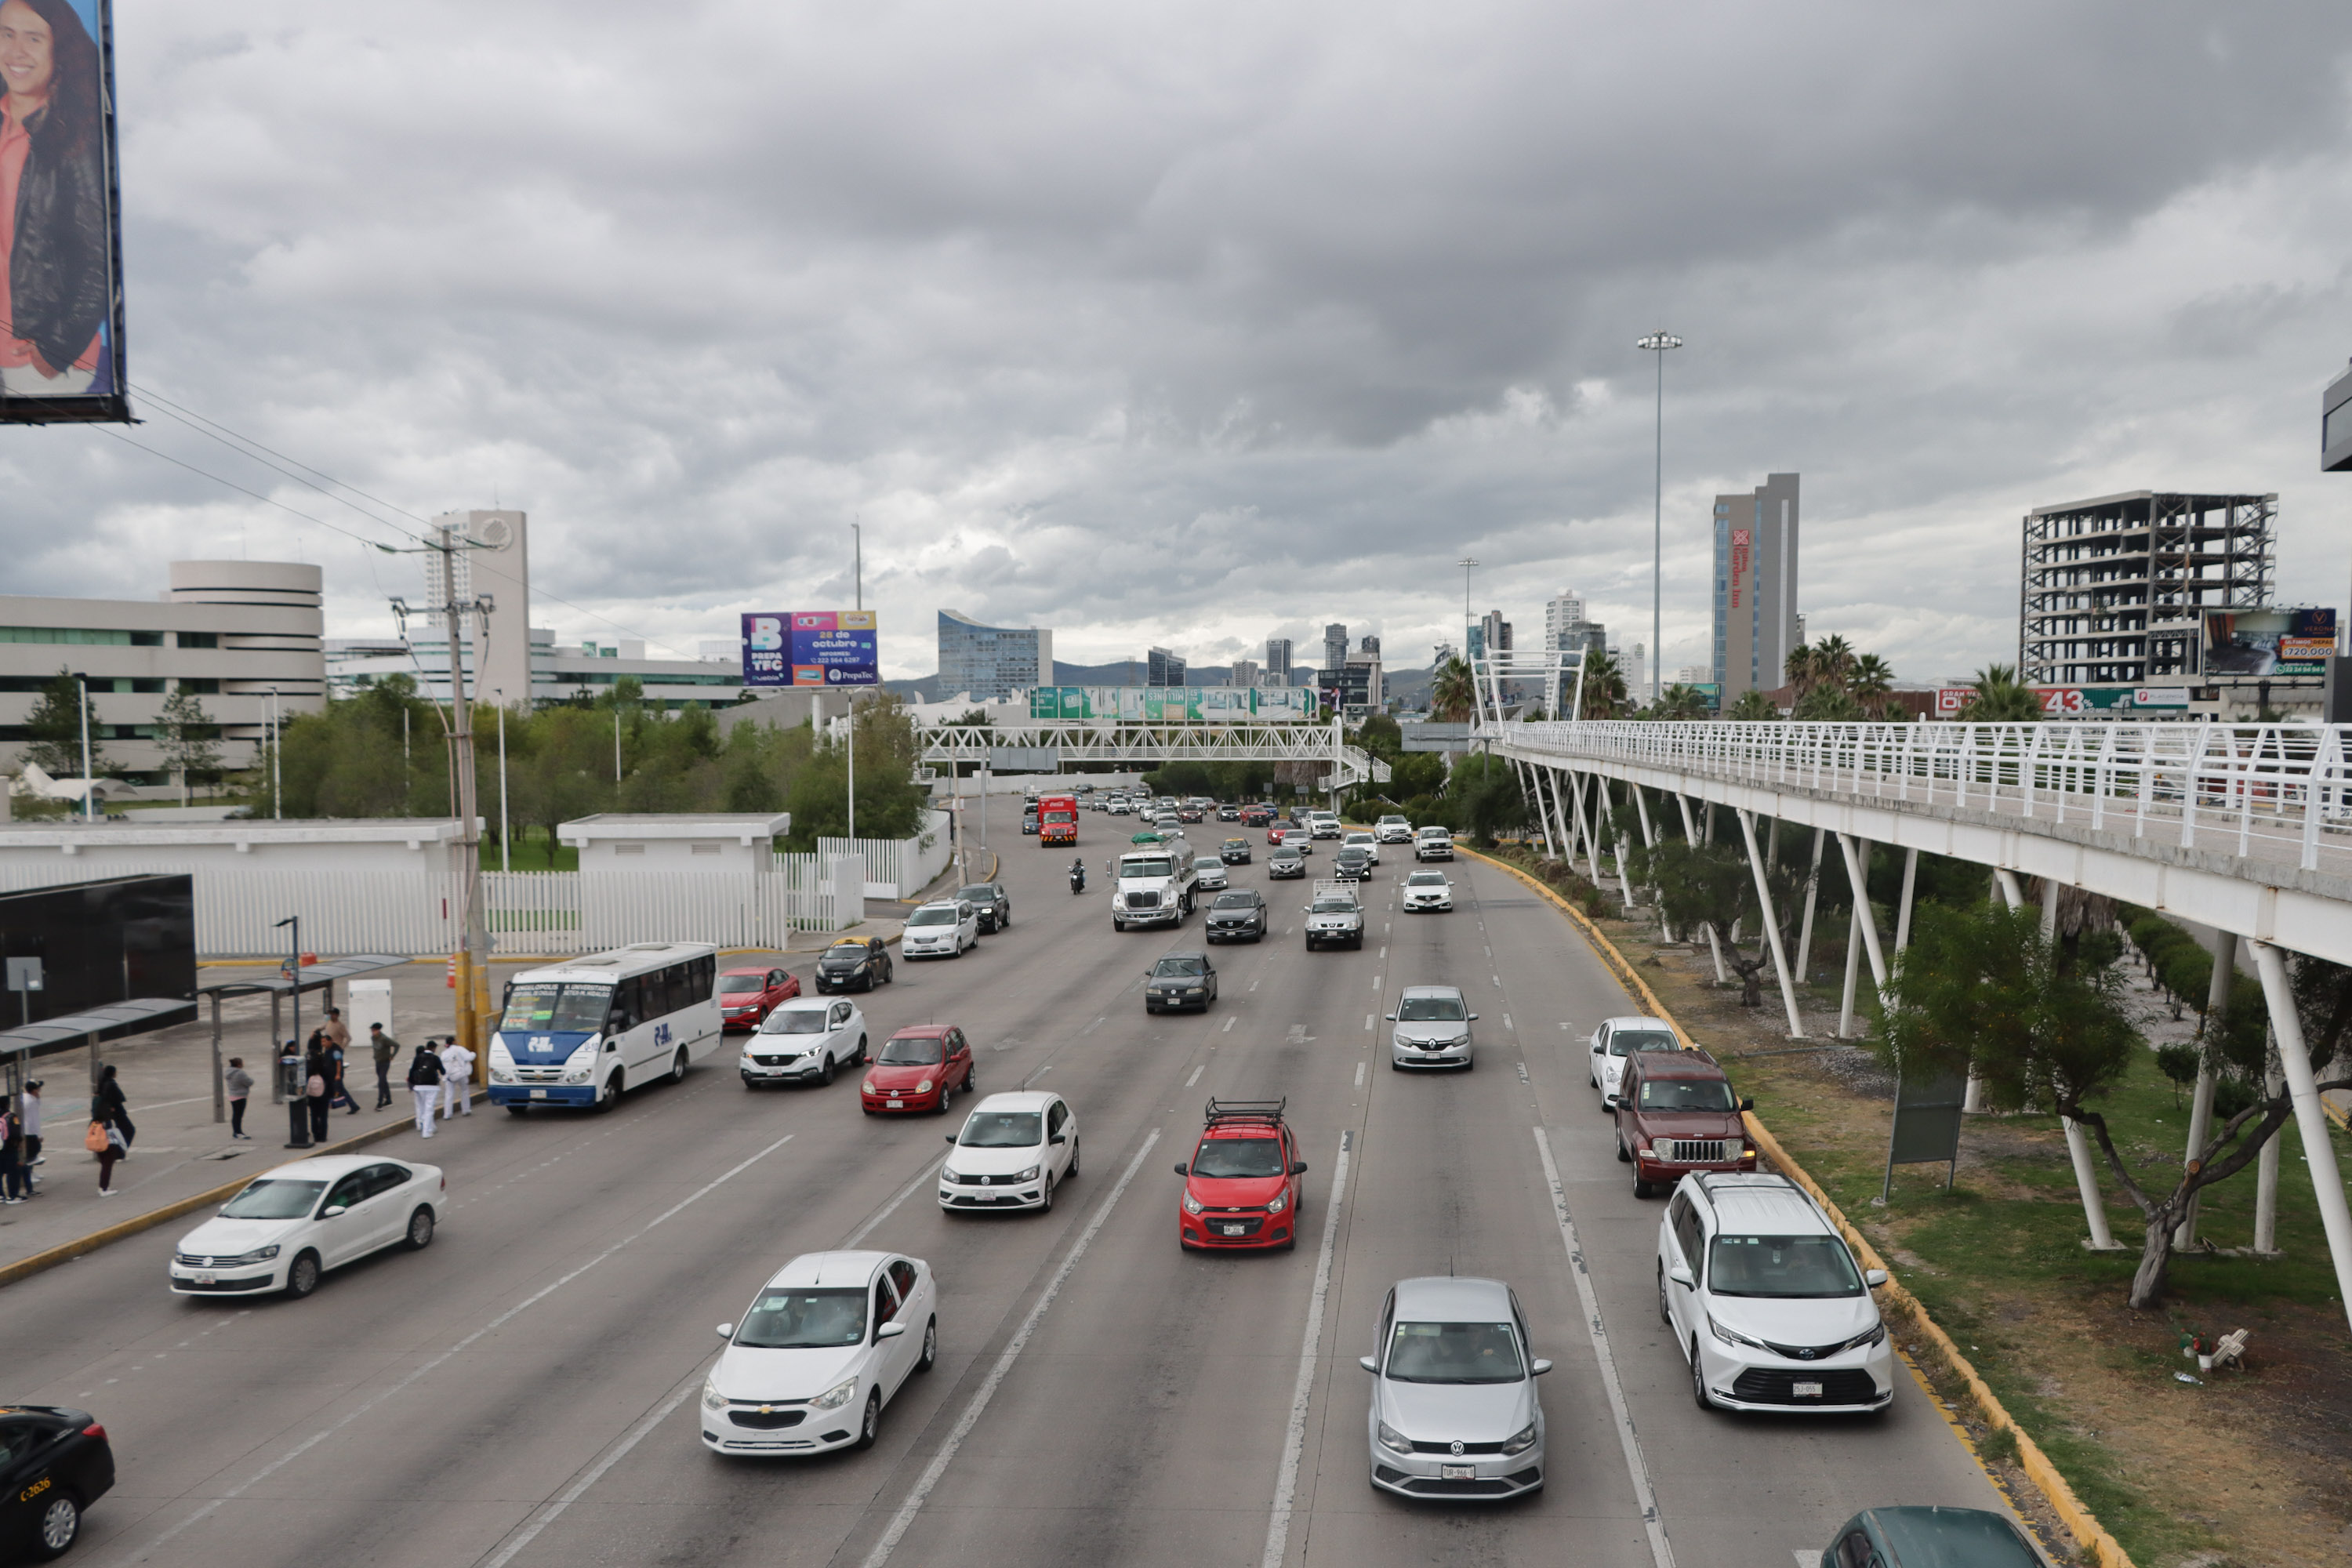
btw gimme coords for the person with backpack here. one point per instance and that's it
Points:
(105, 1140)
(318, 1088)
(424, 1075)
(110, 1099)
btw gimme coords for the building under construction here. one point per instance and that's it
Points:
(2115, 589)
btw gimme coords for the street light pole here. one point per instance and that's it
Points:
(1658, 343)
(289, 1059)
(277, 801)
(505, 851)
(88, 785)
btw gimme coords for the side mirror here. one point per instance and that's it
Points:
(334, 1210)
(1748, 1104)
(726, 1331)
(1473, 1017)
(1183, 1170)
(1298, 1167)
(951, 1136)
(1058, 1137)
(1874, 1277)
(888, 1331)
(1390, 1016)
(1368, 1363)
(1538, 1366)
(1681, 1275)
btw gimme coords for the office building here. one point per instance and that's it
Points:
(1359, 685)
(1757, 535)
(1563, 615)
(2115, 589)
(1489, 631)
(1335, 646)
(560, 672)
(1244, 672)
(1277, 661)
(1164, 668)
(991, 663)
(229, 633)
(1694, 675)
(1632, 666)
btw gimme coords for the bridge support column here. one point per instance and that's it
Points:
(2005, 883)
(2310, 1120)
(1534, 776)
(1650, 841)
(1771, 925)
(1857, 876)
(1903, 916)
(1853, 968)
(1592, 824)
(1805, 934)
(2200, 1105)
(1690, 837)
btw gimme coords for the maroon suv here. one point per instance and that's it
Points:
(1677, 1113)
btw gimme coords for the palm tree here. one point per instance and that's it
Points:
(1679, 703)
(1604, 695)
(1753, 706)
(2000, 699)
(1833, 662)
(1453, 693)
(1804, 667)
(1871, 679)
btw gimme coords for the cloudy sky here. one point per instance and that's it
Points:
(1193, 323)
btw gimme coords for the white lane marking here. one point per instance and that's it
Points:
(1384, 949)
(1033, 1077)
(1661, 1554)
(1376, 983)
(1368, 1023)
(1359, 1075)
(1254, 985)
(1506, 1020)
(1285, 1486)
(1498, 980)
(1196, 1074)
(1805, 1559)
(548, 1513)
(1523, 1073)
(1490, 952)
(312, 1441)
(1229, 1026)
(1090, 1029)
(905, 1518)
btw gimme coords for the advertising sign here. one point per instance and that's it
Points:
(60, 273)
(1740, 548)
(811, 647)
(1175, 704)
(2281, 641)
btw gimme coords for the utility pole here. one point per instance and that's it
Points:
(506, 845)
(1658, 343)
(88, 785)
(857, 575)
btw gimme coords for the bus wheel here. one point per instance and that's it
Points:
(677, 1069)
(610, 1095)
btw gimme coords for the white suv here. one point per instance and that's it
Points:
(1767, 1302)
(1618, 1038)
(1394, 830)
(1433, 844)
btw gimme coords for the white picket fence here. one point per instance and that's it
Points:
(898, 868)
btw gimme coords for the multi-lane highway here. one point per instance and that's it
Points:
(522, 1390)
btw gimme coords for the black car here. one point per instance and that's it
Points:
(1179, 979)
(54, 1463)
(854, 963)
(1237, 914)
(1285, 861)
(1029, 819)
(993, 904)
(1352, 865)
(1234, 852)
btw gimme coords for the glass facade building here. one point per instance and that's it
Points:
(991, 663)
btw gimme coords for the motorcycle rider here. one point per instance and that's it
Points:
(1078, 875)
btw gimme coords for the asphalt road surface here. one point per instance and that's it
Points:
(522, 1390)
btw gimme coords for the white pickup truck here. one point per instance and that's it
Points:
(1154, 885)
(1433, 844)
(1336, 917)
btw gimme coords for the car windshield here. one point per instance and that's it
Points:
(1238, 1157)
(1181, 966)
(1237, 843)
(544, 1007)
(1330, 906)
(984, 894)
(1782, 1266)
(1625, 1042)
(1236, 901)
(734, 984)
(278, 1199)
(914, 1052)
(1454, 1352)
(803, 1320)
(1359, 836)
(933, 915)
(846, 957)
(1685, 1094)
(794, 1021)
(1431, 1010)
(1147, 866)
(1426, 880)
(1003, 1129)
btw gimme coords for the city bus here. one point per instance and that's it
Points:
(586, 1031)
(1057, 820)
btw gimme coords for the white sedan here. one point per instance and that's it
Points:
(940, 930)
(820, 1351)
(1013, 1151)
(804, 1040)
(1427, 891)
(1618, 1038)
(288, 1228)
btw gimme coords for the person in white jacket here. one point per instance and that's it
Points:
(457, 1084)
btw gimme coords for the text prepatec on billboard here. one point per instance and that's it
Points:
(811, 647)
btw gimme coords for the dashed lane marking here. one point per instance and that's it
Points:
(1229, 1026)
(1359, 1075)
(1033, 1077)
(1196, 1074)
(1506, 1020)
(1285, 1486)
(1523, 1073)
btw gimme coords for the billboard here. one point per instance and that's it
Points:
(2281, 641)
(61, 271)
(811, 647)
(1175, 704)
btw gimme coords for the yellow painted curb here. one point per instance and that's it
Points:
(2080, 1521)
(40, 1262)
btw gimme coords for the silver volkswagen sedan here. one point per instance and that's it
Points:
(1454, 1412)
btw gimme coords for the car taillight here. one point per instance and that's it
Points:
(445, 1181)
(94, 1430)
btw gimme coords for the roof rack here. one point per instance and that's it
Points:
(1244, 1109)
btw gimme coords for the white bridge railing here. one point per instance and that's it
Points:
(2273, 791)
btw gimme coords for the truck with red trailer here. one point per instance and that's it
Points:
(1057, 819)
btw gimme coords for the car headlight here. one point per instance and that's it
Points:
(834, 1398)
(1277, 1203)
(1191, 1204)
(1522, 1440)
(578, 1075)
(711, 1398)
(1731, 1337)
(500, 1074)
(1873, 1336)
(1030, 1174)
(1394, 1441)
(924, 1087)
(950, 1173)
(258, 1255)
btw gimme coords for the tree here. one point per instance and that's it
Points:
(1679, 703)
(1453, 693)
(1833, 662)
(1752, 705)
(1871, 679)
(891, 804)
(55, 727)
(188, 738)
(1604, 689)
(1829, 705)
(1709, 887)
(1997, 697)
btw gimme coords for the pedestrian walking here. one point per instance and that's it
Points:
(339, 1050)
(457, 1082)
(109, 1099)
(318, 1089)
(240, 1085)
(387, 1051)
(12, 1176)
(105, 1140)
(424, 1075)
(31, 1112)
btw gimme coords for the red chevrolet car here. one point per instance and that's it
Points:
(746, 996)
(1241, 1186)
(920, 1068)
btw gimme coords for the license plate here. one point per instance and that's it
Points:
(1805, 1390)
(203, 1279)
(1457, 1472)
(1234, 1230)
(897, 1105)
(538, 1094)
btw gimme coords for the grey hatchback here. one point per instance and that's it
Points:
(1930, 1537)
(1453, 1410)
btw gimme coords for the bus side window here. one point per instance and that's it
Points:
(706, 977)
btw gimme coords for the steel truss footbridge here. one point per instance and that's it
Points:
(2246, 828)
(1043, 745)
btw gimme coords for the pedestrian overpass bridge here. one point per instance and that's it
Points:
(2246, 828)
(1044, 745)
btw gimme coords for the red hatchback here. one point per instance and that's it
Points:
(746, 996)
(920, 1068)
(1241, 1186)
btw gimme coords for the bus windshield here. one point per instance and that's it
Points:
(548, 1008)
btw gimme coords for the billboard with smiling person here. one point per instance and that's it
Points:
(60, 258)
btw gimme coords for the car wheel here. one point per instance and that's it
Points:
(677, 1069)
(824, 1074)
(864, 1060)
(1698, 1378)
(610, 1095)
(57, 1528)
(1072, 1173)
(871, 1426)
(1045, 1197)
(302, 1275)
(947, 1098)
(1642, 1189)
(931, 1346)
(517, 1110)
(420, 1230)
(1664, 1316)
